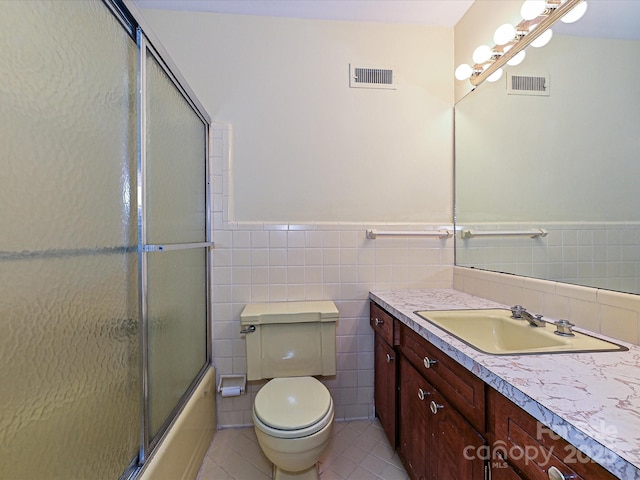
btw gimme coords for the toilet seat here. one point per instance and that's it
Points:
(292, 407)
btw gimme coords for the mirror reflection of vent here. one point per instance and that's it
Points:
(371, 77)
(527, 84)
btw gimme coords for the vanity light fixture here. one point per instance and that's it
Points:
(534, 29)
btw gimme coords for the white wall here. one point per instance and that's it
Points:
(307, 148)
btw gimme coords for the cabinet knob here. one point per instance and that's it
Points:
(422, 394)
(428, 363)
(435, 407)
(556, 474)
(389, 358)
(377, 321)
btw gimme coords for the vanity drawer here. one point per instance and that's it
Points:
(382, 323)
(532, 448)
(463, 390)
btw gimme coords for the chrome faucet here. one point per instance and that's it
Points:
(519, 312)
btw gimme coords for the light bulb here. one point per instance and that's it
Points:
(575, 13)
(481, 54)
(504, 34)
(463, 71)
(517, 58)
(543, 39)
(532, 9)
(495, 76)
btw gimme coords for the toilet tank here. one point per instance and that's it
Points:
(291, 339)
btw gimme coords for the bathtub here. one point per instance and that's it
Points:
(183, 448)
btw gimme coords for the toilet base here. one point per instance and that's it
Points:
(308, 474)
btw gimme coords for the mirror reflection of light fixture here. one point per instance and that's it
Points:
(504, 34)
(539, 16)
(532, 9)
(517, 60)
(543, 39)
(481, 54)
(463, 72)
(495, 76)
(575, 14)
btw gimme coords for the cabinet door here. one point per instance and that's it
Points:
(456, 446)
(414, 411)
(533, 449)
(385, 390)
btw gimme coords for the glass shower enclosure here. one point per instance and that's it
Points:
(104, 242)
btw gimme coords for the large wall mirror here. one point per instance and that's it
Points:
(565, 165)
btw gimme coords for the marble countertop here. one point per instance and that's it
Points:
(592, 400)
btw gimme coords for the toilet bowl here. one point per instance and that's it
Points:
(288, 343)
(293, 418)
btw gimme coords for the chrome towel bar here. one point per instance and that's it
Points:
(535, 233)
(373, 234)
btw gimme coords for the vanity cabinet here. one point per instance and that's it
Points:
(385, 370)
(433, 434)
(532, 449)
(446, 423)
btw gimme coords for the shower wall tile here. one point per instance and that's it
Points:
(256, 262)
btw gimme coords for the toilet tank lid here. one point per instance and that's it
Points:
(289, 312)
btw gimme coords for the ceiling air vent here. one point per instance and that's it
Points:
(371, 77)
(527, 84)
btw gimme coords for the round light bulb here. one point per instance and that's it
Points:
(575, 13)
(495, 76)
(543, 39)
(517, 59)
(532, 9)
(463, 72)
(504, 34)
(481, 54)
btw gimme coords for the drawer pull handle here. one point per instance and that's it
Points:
(389, 358)
(428, 363)
(422, 394)
(555, 474)
(378, 322)
(435, 407)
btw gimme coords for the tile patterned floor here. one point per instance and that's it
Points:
(358, 450)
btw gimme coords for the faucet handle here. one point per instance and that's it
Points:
(516, 311)
(563, 328)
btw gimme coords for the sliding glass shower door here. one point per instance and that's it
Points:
(69, 349)
(173, 237)
(103, 242)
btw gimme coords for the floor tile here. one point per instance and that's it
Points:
(358, 450)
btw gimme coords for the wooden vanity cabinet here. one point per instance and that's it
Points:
(532, 449)
(441, 413)
(434, 436)
(463, 389)
(438, 415)
(385, 370)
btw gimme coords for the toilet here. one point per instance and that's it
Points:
(289, 343)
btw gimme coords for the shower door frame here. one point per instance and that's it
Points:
(145, 47)
(133, 22)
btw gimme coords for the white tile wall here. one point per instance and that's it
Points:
(262, 262)
(604, 255)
